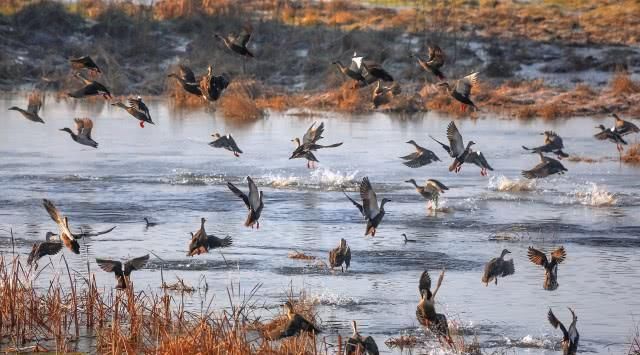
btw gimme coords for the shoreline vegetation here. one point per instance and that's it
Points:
(510, 43)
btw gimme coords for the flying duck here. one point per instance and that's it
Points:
(426, 311)
(371, 68)
(433, 63)
(309, 144)
(212, 86)
(478, 159)
(382, 95)
(85, 63)
(238, 43)
(421, 157)
(431, 190)
(552, 144)
(227, 142)
(547, 166)
(570, 337)
(33, 107)
(65, 235)
(90, 88)
(137, 109)
(41, 249)
(122, 274)
(611, 135)
(253, 201)
(340, 255)
(623, 127)
(456, 148)
(550, 267)
(201, 242)
(296, 323)
(353, 71)
(187, 80)
(359, 345)
(83, 135)
(498, 267)
(462, 90)
(369, 207)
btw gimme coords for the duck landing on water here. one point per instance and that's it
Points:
(42, 249)
(570, 337)
(122, 274)
(359, 345)
(498, 267)
(253, 201)
(201, 242)
(550, 267)
(369, 207)
(431, 190)
(426, 312)
(340, 255)
(547, 166)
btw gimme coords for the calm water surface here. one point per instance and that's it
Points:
(168, 173)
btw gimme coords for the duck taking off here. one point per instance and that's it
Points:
(340, 255)
(611, 135)
(122, 274)
(187, 80)
(90, 88)
(570, 338)
(370, 69)
(42, 249)
(433, 63)
(309, 144)
(431, 190)
(353, 71)
(253, 201)
(359, 345)
(64, 232)
(296, 323)
(382, 95)
(461, 91)
(33, 107)
(85, 63)
(426, 312)
(456, 147)
(421, 157)
(552, 144)
(201, 242)
(478, 159)
(550, 267)
(623, 127)
(498, 267)
(238, 43)
(212, 86)
(227, 142)
(83, 132)
(137, 109)
(547, 166)
(369, 207)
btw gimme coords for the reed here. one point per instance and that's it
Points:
(632, 154)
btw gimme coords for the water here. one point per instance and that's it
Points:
(169, 173)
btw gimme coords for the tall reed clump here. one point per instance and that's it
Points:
(632, 154)
(621, 84)
(238, 102)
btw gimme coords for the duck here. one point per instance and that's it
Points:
(253, 201)
(83, 135)
(212, 86)
(431, 190)
(612, 136)
(187, 80)
(33, 108)
(456, 147)
(201, 242)
(550, 267)
(123, 274)
(227, 142)
(552, 144)
(359, 345)
(382, 95)
(296, 323)
(83, 234)
(425, 311)
(149, 224)
(85, 62)
(42, 249)
(498, 267)
(546, 167)
(90, 88)
(420, 158)
(372, 69)
(309, 144)
(434, 61)
(238, 43)
(353, 72)
(478, 159)
(623, 127)
(137, 109)
(461, 91)
(64, 232)
(407, 240)
(571, 337)
(340, 255)
(369, 207)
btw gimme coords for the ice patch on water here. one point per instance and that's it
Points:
(595, 195)
(321, 179)
(504, 184)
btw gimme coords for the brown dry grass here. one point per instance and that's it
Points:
(300, 255)
(634, 348)
(621, 84)
(401, 342)
(579, 159)
(632, 154)
(238, 101)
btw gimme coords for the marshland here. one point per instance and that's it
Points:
(544, 66)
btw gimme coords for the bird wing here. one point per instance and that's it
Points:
(49, 248)
(232, 143)
(84, 126)
(254, 194)
(239, 193)
(370, 345)
(110, 266)
(94, 234)
(556, 323)
(220, 142)
(135, 264)
(425, 282)
(359, 206)
(347, 257)
(243, 38)
(603, 135)
(35, 102)
(313, 134)
(369, 199)
(539, 171)
(455, 139)
(558, 255)
(483, 161)
(437, 184)
(187, 74)
(215, 242)
(444, 146)
(57, 217)
(537, 257)
(205, 85)
(464, 85)
(436, 57)
(411, 156)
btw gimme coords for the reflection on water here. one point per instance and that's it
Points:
(169, 173)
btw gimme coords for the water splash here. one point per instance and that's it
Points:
(504, 184)
(328, 298)
(192, 179)
(595, 195)
(319, 179)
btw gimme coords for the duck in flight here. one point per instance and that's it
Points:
(433, 63)
(421, 157)
(369, 208)
(478, 159)
(359, 345)
(84, 126)
(552, 144)
(611, 135)
(546, 167)
(461, 91)
(64, 232)
(550, 266)
(426, 312)
(340, 255)
(623, 127)
(570, 337)
(498, 267)
(122, 274)
(253, 201)
(33, 108)
(42, 249)
(201, 242)
(90, 88)
(187, 80)
(456, 147)
(238, 43)
(212, 85)
(85, 62)
(226, 142)
(137, 109)
(309, 144)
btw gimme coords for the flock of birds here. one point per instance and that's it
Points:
(363, 72)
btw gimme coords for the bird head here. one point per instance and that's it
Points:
(217, 135)
(296, 141)
(384, 200)
(411, 181)
(288, 307)
(601, 126)
(505, 252)
(470, 144)
(343, 243)
(354, 326)
(202, 220)
(411, 142)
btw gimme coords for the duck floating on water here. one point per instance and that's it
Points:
(498, 267)
(433, 63)
(456, 147)
(33, 108)
(340, 255)
(137, 109)
(571, 337)
(369, 207)
(478, 159)
(84, 126)
(201, 242)
(546, 167)
(227, 142)
(552, 144)
(65, 235)
(85, 62)
(253, 201)
(421, 157)
(296, 323)
(461, 91)
(90, 88)
(550, 267)
(426, 311)
(42, 249)
(611, 135)
(431, 190)
(359, 345)
(309, 144)
(122, 274)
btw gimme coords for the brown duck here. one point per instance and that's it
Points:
(498, 267)
(65, 235)
(550, 267)
(426, 312)
(201, 242)
(296, 323)
(340, 255)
